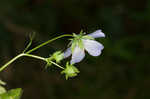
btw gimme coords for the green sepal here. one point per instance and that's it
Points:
(81, 32)
(58, 56)
(80, 43)
(70, 39)
(70, 71)
(77, 42)
(74, 44)
(74, 35)
(88, 37)
(48, 64)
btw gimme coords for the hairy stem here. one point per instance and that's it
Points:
(28, 55)
(34, 56)
(57, 65)
(11, 61)
(45, 43)
(18, 56)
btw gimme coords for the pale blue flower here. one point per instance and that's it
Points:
(81, 42)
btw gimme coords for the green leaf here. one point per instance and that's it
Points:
(2, 90)
(12, 94)
(2, 82)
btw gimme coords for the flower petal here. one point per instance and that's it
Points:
(97, 34)
(77, 55)
(93, 47)
(67, 53)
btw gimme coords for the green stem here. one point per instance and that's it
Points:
(57, 65)
(28, 55)
(18, 56)
(34, 56)
(11, 61)
(44, 59)
(45, 43)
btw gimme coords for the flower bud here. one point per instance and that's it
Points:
(58, 56)
(70, 71)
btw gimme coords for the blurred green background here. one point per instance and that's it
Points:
(121, 72)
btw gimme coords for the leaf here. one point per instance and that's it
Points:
(2, 82)
(2, 90)
(12, 94)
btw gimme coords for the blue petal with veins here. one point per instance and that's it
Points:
(77, 55)
(93, 47)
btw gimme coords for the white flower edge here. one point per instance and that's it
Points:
(97, 34)
(94, 48)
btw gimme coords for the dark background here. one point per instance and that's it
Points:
(121, 72)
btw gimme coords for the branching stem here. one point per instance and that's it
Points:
(11, 61)
(34, 56)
